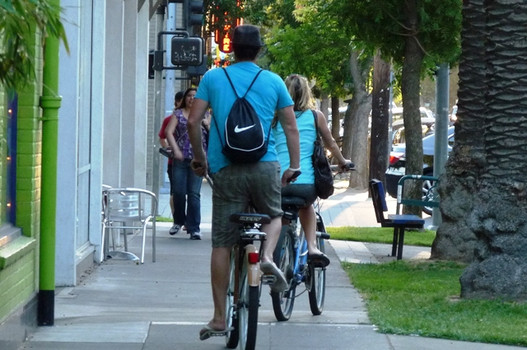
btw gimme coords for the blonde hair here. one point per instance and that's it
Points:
(300, 92)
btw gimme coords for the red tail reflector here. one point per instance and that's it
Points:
(253, 257)
(394, 157)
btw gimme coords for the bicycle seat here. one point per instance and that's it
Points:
(293, 201)
(250, 218)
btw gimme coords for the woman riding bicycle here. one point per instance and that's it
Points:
(304, 186)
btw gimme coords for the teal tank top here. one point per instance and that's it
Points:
(306, 127)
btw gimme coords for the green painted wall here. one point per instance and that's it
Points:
(19, 258)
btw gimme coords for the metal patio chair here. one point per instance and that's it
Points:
(125, 210)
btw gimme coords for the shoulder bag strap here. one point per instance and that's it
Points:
(175, 131)
(250, 86)
(316, 124)
(236, 94)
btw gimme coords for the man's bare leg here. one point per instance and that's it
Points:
(272, 230)
(219, 274)
(268, 266)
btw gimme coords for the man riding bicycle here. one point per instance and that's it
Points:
(238, 184)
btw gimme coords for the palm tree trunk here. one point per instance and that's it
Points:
(484, 192)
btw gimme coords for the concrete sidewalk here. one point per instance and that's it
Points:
(163, 305)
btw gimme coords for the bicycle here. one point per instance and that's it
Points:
(243, 294)
(245, 281)
(291, 256)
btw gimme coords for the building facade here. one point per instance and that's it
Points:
(105, 136)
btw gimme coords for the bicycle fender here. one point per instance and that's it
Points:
(253, 270)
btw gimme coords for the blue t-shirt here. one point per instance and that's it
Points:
(267, 95)
(305, 122)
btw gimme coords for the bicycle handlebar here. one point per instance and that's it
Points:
(294, 176)
(348, 167)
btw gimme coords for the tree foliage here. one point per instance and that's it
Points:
(381, 23)
(271, 13)
(20, 18)
(318, 41)
(414, 35)
(305, 40)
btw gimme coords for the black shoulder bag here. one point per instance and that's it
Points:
(323, 175)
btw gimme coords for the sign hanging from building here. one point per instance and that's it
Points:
(187, 51)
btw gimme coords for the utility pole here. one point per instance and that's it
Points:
(441, 129)
(169, 74)
(158, 84)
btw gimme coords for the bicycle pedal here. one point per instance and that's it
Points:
(222, 334)
(268, 279)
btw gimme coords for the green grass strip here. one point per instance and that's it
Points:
(422, 298)
(381, 235)
(163, 219)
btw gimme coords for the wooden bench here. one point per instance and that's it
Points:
(399, 222)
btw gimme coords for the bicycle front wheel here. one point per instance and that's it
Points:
(284, 258)
(248, 312)
(317, 285)
(231, 318)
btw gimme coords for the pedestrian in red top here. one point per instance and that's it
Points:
(187, 185)
(178, 98)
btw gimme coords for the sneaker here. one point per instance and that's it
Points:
(195, 236)
(174, 229)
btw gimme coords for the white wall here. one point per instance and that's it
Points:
(126, 95)
(102, 120)
(112, 143)
(142, 149)
(69, 84)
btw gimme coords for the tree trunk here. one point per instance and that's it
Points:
(380, 143)
(335, 121)
(488, 164)
(455, 240)
(410, 88)
(355, 141)
(324, 103)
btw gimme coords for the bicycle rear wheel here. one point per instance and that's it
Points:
(231, 319)
(284, 258)
(248, 312)
(317, 285)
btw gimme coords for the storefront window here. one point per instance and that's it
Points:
(7, 160)
(3, 163)
(10, 157)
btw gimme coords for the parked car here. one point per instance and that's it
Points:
(427, 119)
(398, 133)
(396, 167)
(397, 113)
(342, 111)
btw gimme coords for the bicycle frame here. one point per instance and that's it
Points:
(245, 285)
(245, 279)
(291, 256)
(253, 267)
(300, 252)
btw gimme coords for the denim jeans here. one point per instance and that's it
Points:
(186, 196)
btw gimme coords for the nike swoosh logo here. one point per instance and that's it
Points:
(238, 129)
